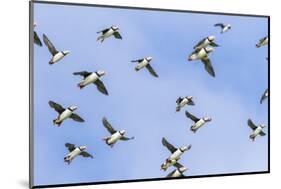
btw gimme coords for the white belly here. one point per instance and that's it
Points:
(257, 131)
(114, 138)
(57, 57)
(142, 64)
(108, 34)
(198, 124)
(90, 79)
(265, 42)
(176, 155)
(183, 102)
(201, 54)
(66, 114)
(74, 154)
(176, 174)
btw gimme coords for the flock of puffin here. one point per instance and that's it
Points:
(201, 51)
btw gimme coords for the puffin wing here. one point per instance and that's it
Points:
(104, 31)
(208, 66)
(70, 147)
(262, 133)
(76, 117)
(83, 73)
(251, 124)
(86, 154)
(262, 39)
(178, 165)
(264, 96)
(151, 70)
(37, 40)
(213, 44)
(126, 138)
(220, 25)
(192, 117)
(139, 60)
(56, 106)
(171, 173)
(50, 46)
(108, 126)
(179, 100)
(199, 43)
(117, 35)
(169, 146)
(100, 86)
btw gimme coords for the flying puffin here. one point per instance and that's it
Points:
(181, 102)
(205, 42)
(178, 172)
(176, 154)
(145, 62)
(113, 30)
(92, 77)
(64, 113)
(57, 55)
(74, 152)
(37, 40)
(115, 135)
(264, 96)
(224, 27)
(198, 122)
(202, 54)
(263, 41)
(257, 129)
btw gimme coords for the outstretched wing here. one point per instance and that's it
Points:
(70, 147)
(126, 138)
(86, 154)
(213, 44)
(208, 66)
(264, 96)
(199, 43)
(192, 117)
(262, 39)
(56, 106)
(262, 133)
(179, 100)
(104, 31)
(251, 124)
(139, 60)
(117, 35)
(220, 25)
(37, 40)
(171, 173)
(108, 126)
(169, 146)
(151, 70)
(100, 86)
(76, 117)
(83, 73)
(50, 46)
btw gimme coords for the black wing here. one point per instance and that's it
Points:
(76, 117)
(126, 138)
(117, 35)
(169, 146)
(220, 25)
(104, 31)
(262, 39)
(151, 70)
(108, 126)
(37, 40)
(251, 124)
(208, 66)
(83, 73)
(171, 173)
(70, 147)
(262, 133)
(213, 44)
(179, 100)
(139, 60)
(264, 96)
(56, 106)
(192, 117)
(199, 43)
(100, 86)
(86, 154)
(50, 46)
(178, 165)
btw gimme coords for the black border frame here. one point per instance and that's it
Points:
(31, 90)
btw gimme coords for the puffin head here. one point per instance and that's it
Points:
(149, 58)
(115, 28)
(122, 132)
(72, 108)
(65, 52)
(83, 148)
(207, 119)
(211, 38)
(263, 126)
(189, 97)
(185, 148)
(183, 169)
(101, 73)
(34, 24)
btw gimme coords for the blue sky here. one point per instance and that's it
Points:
(142, 104)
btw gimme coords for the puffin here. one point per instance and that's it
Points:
(181, 102)
(176, 154)
(202, 54)
(115, 135)
(37, 40)
(198, 122)
(113, 30)
(263, 41)
(64, 113)
(57, 55)
(205, 42)
(257, 130)
(224, 27)
(145, 62)
(178, 172)
(75, 151)
(264, 96)
(92, 77)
